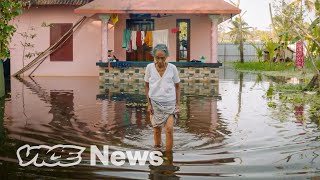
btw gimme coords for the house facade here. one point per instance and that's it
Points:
(191, 27)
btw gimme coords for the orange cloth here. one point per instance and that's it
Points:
(109, 67)
(148, 38)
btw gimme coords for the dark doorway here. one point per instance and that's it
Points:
(143, 53)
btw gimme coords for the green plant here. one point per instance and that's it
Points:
(270, 46)
(9, 10)
(259, 51)
(239, 32)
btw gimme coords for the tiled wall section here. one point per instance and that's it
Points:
(194, 80)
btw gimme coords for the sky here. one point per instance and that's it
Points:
(257, 13)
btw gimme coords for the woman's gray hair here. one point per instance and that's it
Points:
(160, 47)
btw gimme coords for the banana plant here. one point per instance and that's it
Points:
(270, 46)
(259, 51)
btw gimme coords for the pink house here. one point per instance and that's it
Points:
(190, 28)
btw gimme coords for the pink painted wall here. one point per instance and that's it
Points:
(86, 41)
(200, 35)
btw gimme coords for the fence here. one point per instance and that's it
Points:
(229, 52)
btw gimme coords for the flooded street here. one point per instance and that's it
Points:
(231, 132)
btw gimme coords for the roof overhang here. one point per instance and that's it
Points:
(59, 2)
(158, 6)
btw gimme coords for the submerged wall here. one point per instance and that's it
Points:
(196, 78)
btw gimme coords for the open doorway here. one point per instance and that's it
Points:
(143, 53)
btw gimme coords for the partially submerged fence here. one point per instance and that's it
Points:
(229, 52)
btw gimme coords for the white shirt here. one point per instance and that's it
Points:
(162, 88)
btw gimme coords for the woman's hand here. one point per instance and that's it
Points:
(177, 108)
(150, 110)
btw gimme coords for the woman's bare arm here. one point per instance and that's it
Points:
(177, 93)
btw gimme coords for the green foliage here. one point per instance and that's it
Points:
(9, 9)
(290, 100)
(314, 31)
(270, 46)
(239, 30)
(263, 66)
(259, 51)
(282, 25)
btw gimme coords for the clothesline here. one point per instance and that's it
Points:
(134, 39)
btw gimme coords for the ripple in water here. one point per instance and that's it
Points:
(221, 136)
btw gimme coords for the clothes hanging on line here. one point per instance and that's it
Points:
(160, 37)
(126, 38)
(142, 36)
(148, 39)
(134, 40)
(139, 39)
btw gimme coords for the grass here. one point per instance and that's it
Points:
(276, 69)
(262, 66)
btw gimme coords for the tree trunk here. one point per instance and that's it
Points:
(2, 88)
(314, 83)
(241, 51)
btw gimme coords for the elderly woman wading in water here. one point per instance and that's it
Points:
(163, 95)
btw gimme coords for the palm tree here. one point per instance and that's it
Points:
(238, 32)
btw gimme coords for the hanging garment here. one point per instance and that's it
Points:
(299, 54)
(148, 38)
(130, 46)
(142, 36)
(175, 30)
(160, 37)
(126, 38)
(114, 19)
(134, 40)
(139, 39)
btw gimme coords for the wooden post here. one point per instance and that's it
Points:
(104, 36)
(214, 38)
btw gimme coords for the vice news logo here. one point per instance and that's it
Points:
(70, 155)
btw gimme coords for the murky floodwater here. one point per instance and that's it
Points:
(234, 133)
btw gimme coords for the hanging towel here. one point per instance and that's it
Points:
(134, 40)
(126, 38)
(148, 39)
(160, 37)
(139, 39)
